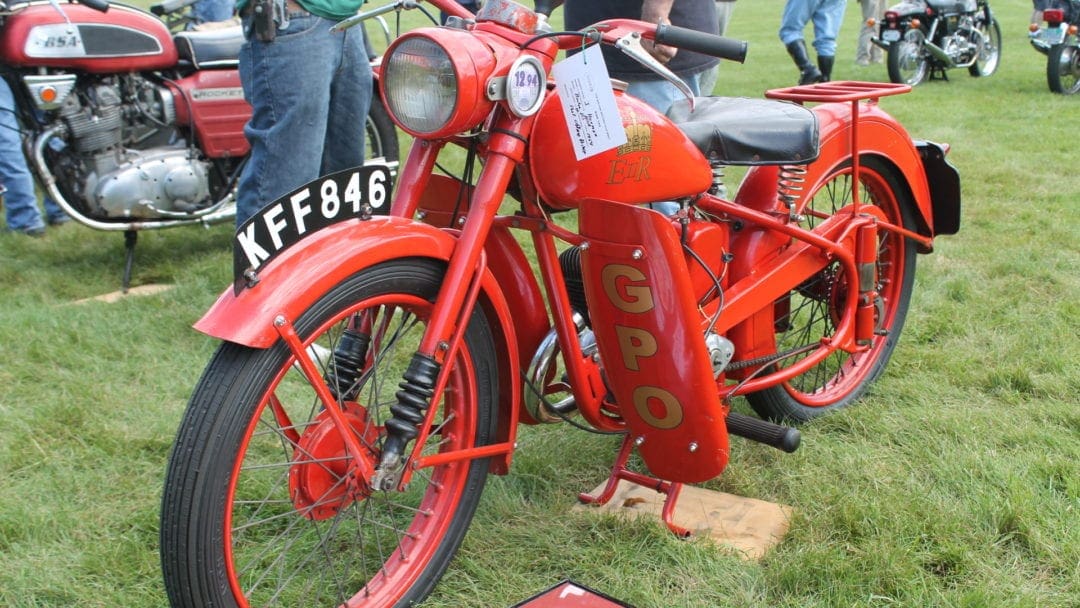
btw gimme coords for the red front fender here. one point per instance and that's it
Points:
(292, 282)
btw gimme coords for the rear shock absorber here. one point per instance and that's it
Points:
(790, 187)
(413, 400)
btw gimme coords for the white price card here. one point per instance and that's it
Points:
(588, 103)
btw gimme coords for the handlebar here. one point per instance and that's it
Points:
(701, 42)
(97, 5)
(170, 6)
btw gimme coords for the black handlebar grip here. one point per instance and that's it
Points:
(97, 5)
(700, 42)
(170, 6)
(543, 7)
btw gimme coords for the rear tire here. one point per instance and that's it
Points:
(259, 508)
(1063, 69)
(813, 308)
(380, 134)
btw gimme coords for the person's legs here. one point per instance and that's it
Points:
(867, 52)
(792, 21)
(20, 199)
(350, 100)
(288, 83)
(827, 18)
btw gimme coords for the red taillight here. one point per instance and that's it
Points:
(891, 16)
(1054, 16)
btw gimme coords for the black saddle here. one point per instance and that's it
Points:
(742, 131)
(953, 6)
(216, 48)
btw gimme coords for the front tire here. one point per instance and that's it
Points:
(1063, 69)
(812, 310)
(986, 63)
(259, 508)
(907, 60)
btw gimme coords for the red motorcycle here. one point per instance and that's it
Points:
(380, 351)
(129, 126)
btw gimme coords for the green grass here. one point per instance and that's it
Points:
(954, 483)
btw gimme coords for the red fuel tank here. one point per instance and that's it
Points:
(124, 39)
(657, 162)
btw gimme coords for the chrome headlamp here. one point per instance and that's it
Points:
(433, 81)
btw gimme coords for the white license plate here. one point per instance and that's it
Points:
(890, 35)
(1053, 36)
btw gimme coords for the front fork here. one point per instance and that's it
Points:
(427, 373)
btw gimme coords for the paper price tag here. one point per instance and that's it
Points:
(588, 103)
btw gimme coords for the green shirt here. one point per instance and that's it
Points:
(329, 9)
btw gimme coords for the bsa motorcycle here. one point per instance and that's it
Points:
(1061, 45)
(129, 126)
(924, 38)
(380, 348)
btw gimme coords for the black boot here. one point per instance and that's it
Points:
(825, 63)
(808, 74)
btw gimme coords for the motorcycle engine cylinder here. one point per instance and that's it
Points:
(570, 262)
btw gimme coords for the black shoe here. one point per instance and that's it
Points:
(36, 231)
(59, 220)
(825, 64)
(808, 72)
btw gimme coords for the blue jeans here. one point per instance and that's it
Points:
(660, 94)
(20, 200)
(212, 10)
(309, 91)
(827, 16)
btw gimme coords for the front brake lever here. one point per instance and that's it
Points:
(631, 45)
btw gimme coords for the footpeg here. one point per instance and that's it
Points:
(783, 438)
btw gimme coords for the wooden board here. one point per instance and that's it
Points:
(116, 296)
(749, 526)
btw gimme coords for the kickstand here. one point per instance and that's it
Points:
(619, 471)
(130, 238)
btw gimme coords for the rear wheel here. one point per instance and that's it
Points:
(907, 60)
(986, 63)
(260, 506)
(380, 133)
(808, 315)
(1063, 69)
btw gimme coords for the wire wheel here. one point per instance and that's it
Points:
(907, 60)
(1063, 69)
(809, 314)
(261, 505)
(986, 62)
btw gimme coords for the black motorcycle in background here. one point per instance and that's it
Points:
(1061, 45)
(924, 38)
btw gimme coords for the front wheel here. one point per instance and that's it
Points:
(908, 61)
(1063, 69)
(260, 505)
(808, 315)
(989, 52)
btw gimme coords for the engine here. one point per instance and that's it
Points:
(963, 45)
(122, 156)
